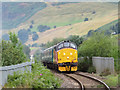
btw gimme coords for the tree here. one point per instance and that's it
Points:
(26, 50)
(90, 33)
(54, 26)
(76, 39)
(86, 19)
(12, 51)
(31, 26)
(35, 37)
(23, 35)
(99, 45)
(32, 22)
(43, 28)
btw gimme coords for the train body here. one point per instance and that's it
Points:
(62, 56)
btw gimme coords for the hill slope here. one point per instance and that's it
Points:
(14, 13)
(69, 19)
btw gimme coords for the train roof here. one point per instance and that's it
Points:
(50, 48)
(57, 45)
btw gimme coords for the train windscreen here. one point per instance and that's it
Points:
(60, 46)
(66, 44)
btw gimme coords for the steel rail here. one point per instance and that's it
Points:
(98, 80)
(78, 81)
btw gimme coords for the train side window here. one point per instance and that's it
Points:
(72, 45)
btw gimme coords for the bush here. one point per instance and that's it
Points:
(99, 45)
(40, 77)
(91, 69)
(83, 65)
(86, 19)
(23, 35)
(12, 51)
(35, 37)
(76, 39)
(105, 72)
(43, 28)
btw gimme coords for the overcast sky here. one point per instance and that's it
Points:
(60, 0)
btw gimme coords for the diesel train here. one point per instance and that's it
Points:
(62, 56)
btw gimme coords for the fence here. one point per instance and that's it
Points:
(9, 70)
(103, 63)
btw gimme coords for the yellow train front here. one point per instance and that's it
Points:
(62, 56)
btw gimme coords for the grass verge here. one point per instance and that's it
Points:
(111, 80)
(39, 77)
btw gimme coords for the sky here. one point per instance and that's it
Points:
(59, 0)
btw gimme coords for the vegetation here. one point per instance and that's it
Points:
(40, 77)
(15, 13)
(99, 45)
(26, 51)
(23, 35)
(35, 36)
(108, 29)
(86, 19)
(42, 28)
(59, 3)
(76, 39)
(73, 38)
(84, 64)
(12, 51)
(54, 42)
(111, 80)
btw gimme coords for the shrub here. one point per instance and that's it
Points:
(91, 69)
(23, 35)
(12, 51)
(105, 72)
(86, 19)
(43, 28)
(35, 37)
(99, 45)
(83, 65)
(40, 77)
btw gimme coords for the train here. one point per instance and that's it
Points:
(62, 56)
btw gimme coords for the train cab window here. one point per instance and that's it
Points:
(66, 44)
(60, 46)
(72, 45)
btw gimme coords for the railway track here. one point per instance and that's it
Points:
(86, 81)
(78, 81)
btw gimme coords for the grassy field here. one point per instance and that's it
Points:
(15, 13)
(69, 19)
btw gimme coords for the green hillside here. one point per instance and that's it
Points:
(55, 21)
(108, 29)
(15, 13)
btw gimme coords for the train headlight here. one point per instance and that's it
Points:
(63, 53)
(70, 53)
(67, 57)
